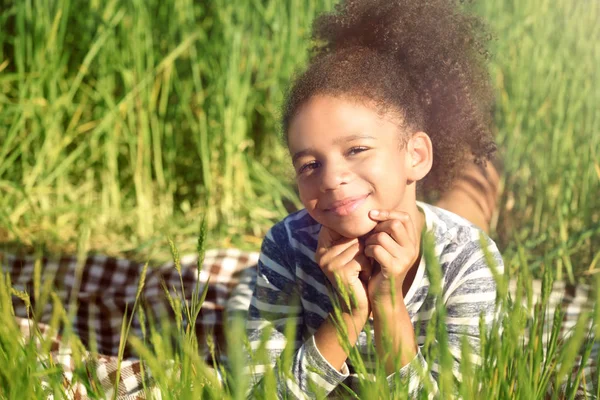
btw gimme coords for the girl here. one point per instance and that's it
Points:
(395, 99)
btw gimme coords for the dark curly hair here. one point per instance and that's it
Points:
(425, 59)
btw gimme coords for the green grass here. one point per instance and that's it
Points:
(123, 123)
(134, 118)
(138, 117)
(546, 57)
(510, 368)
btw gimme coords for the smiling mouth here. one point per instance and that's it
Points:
(346, 206)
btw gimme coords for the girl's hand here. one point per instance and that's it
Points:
(337, 255)
(393, 244)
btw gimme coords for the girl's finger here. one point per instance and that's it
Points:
(326, 255)
(328, 237)
(366, 267)
(404, 218)
(394, 259)
(379, 254)
(338, 261)
(397, 230)
(384, 240)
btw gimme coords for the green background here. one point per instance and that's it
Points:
(124, 122)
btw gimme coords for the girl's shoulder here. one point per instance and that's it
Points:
(295, 235)
(296, 223)
(456, 239)
(449, 228)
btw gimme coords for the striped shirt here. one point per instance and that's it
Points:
(290, 287)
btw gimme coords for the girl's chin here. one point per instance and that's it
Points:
(354, 229)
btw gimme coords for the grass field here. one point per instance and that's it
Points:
(130, 120)
(125, 122)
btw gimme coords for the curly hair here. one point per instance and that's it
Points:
(425, 59)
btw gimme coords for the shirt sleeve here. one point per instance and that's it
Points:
(470, 294)
(275, 304)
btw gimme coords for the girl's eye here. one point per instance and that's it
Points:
(308, 167)
(356, 150)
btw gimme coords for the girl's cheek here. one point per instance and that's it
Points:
(372, 163)
(307, 195)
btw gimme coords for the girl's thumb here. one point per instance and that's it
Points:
(327, 237)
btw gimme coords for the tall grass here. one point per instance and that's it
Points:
(123, 122)
(136, 117)
(545, 68)
(515, 361)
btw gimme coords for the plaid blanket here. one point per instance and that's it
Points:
(108, 286)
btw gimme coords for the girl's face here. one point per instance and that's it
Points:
(348, 160)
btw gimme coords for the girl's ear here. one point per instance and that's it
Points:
(419, 156)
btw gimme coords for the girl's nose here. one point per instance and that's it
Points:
(333, 176)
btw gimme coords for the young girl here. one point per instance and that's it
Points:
(395, 99)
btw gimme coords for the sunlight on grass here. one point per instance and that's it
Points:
(125, 124)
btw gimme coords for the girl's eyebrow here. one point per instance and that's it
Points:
(349, 138)
(300, 153)
(343, 139)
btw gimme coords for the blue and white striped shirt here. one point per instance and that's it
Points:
(291, 285)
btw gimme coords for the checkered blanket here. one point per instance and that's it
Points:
(108, 288)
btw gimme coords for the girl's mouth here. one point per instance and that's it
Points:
(346, 206)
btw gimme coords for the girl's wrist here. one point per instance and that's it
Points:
(353, 310)
(394, 334)
(357, 317)
(386, 289)
(388, 304)
(334, 347)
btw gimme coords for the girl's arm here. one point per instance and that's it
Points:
(469, 291)
(394, 244)
(276, 303)
(394, 333)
